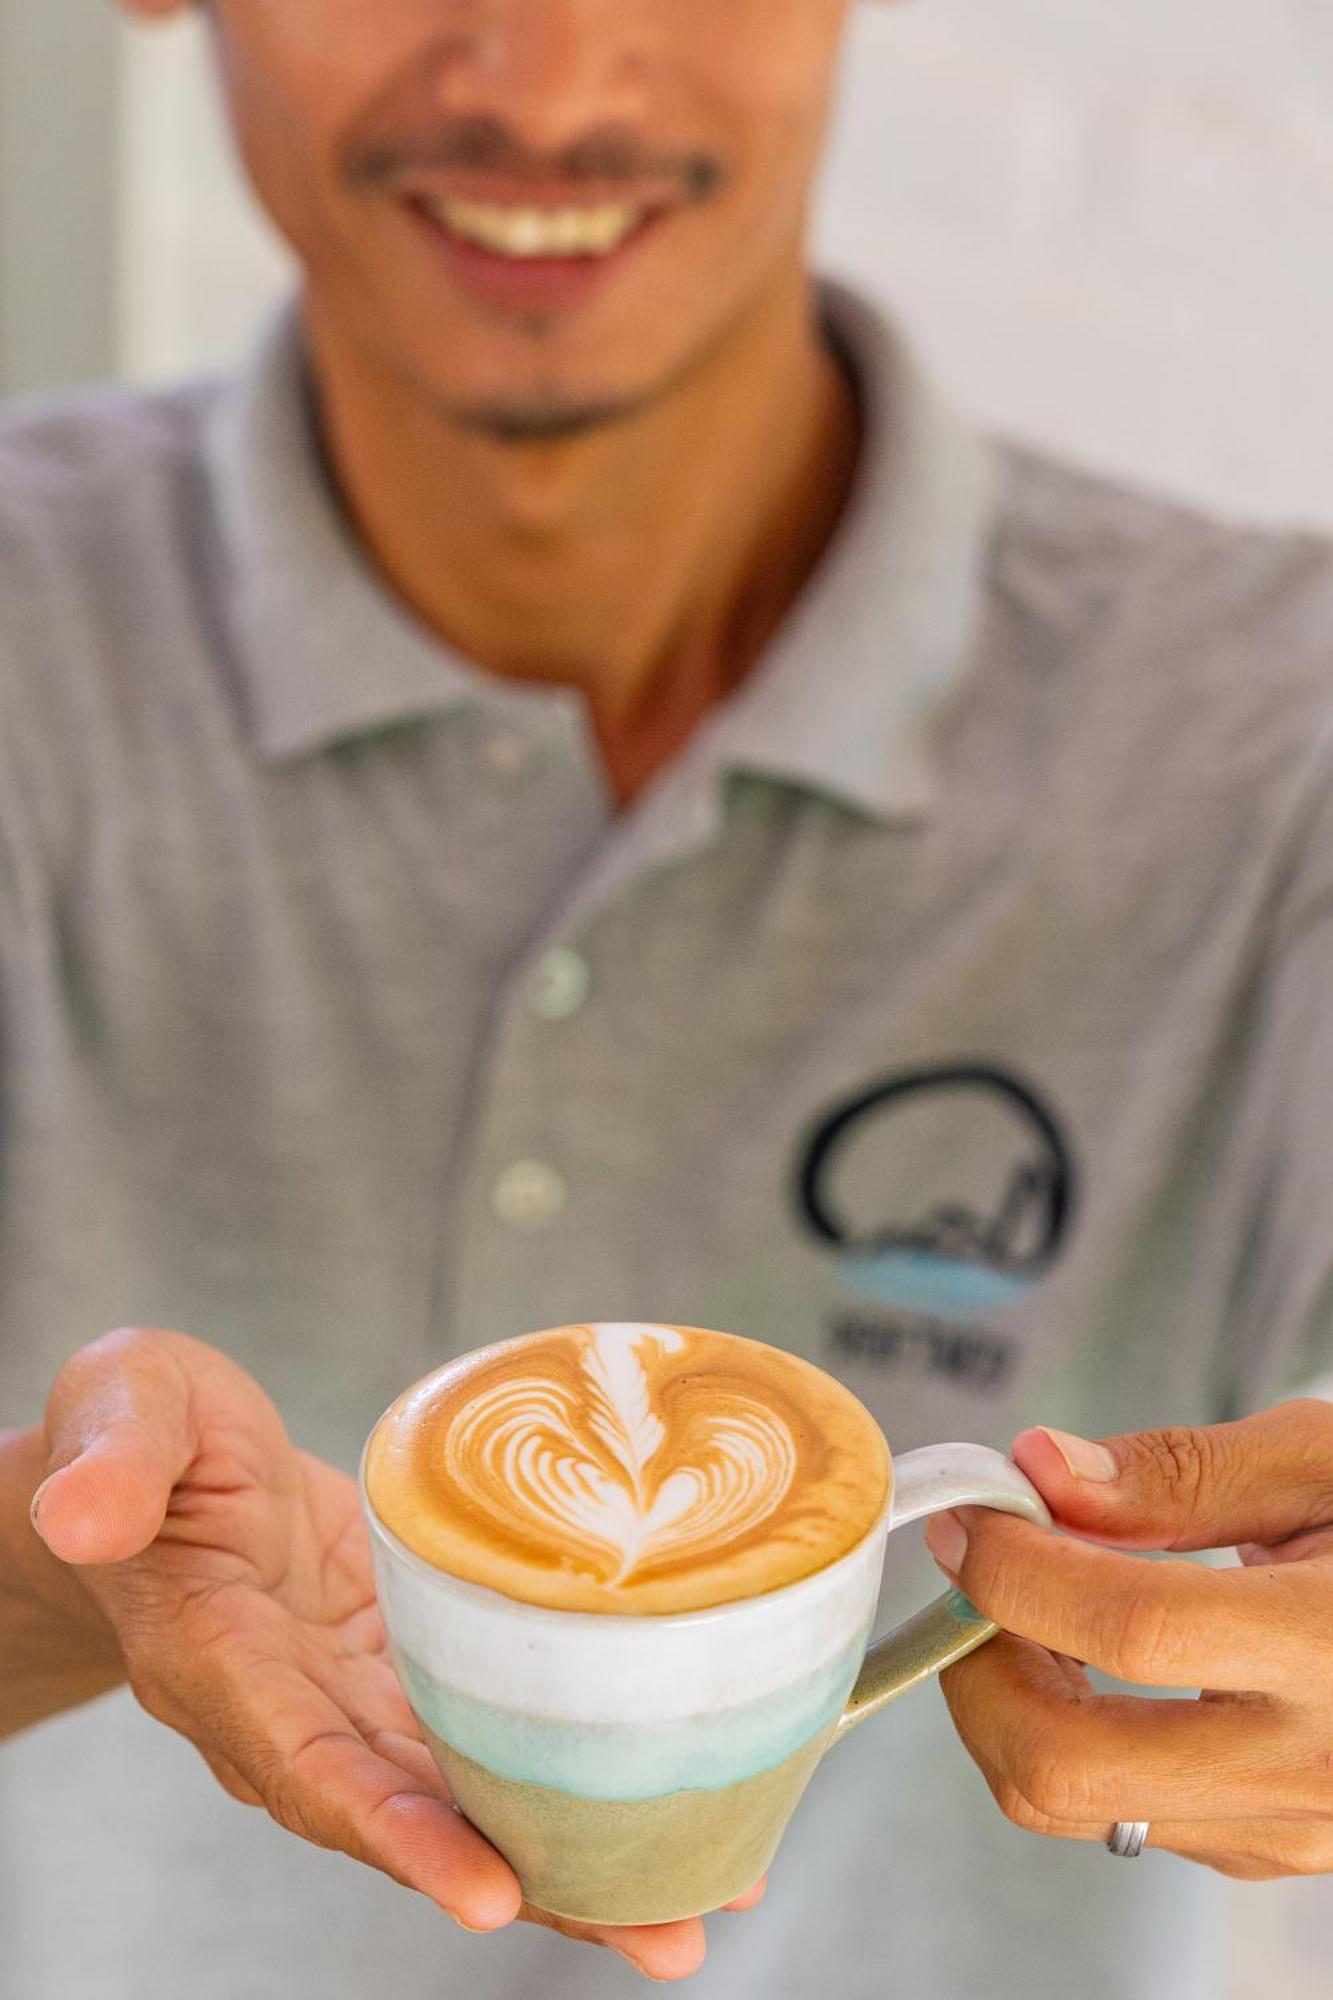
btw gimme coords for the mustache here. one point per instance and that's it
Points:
(485, 145)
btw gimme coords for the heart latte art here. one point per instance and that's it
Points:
(629, 1467)
(586, 1466)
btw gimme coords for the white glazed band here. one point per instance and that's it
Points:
(592, 1667)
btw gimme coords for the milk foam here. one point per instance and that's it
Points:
(629, 1466)
(529, 1446)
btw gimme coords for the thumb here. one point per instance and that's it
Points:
(1258, 1480)
(119, 1435)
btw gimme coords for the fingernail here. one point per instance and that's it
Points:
(946, 1538)
(1083, 1460)
(37, 1501)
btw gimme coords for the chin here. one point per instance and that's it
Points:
(517, 402)
(517, 420)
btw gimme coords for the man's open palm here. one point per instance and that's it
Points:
(234, 1571)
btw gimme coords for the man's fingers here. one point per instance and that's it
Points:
(230, 1779)
(369, 1691)
(1021, 1812)
(321, 1744)
(1297, 1548)
(261, 1717)
(1251, 1850)
(1259, 1480)
(335, 1790)
(753, 1895)
(410, 1754)
(125, 1420)
(653, 1948)
(119, 1434)
(661, 1951)
(1062, 1754)
(1154, 1624)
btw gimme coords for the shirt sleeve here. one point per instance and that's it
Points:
(1277, 1339)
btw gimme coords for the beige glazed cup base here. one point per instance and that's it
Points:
(633, 1861)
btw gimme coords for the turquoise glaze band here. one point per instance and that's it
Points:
(637, 1760)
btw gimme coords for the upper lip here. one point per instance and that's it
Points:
(496, 192)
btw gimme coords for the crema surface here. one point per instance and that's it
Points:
(629, 1467)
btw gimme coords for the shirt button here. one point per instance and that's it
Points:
(506, 753)
(529, 1194)
(563, 980)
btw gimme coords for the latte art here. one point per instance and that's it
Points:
(587, 1470)
(629, 1467)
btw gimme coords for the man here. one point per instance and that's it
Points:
(576, 791)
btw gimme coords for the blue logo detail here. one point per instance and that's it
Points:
(923, 1281)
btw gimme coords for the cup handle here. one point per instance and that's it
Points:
(926, 1482)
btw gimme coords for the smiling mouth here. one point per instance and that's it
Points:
(527, 234)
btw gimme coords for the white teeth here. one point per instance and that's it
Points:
(540, 232)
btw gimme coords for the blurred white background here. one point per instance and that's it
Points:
(1109, 222)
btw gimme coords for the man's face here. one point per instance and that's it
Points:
(536, 213)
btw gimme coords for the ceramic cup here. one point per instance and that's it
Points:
(639, 1769)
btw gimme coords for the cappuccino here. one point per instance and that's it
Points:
(720, 1508)
(635, 1468)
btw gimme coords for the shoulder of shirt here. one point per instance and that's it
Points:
(1069, 535)
(1209, 630)
(60, 453)
(1165, 625)
(92, 482)
(88, 480)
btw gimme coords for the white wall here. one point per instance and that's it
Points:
(57, 215)
(1110, 221)
(1111, 224)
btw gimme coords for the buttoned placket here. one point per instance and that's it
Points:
(517, 1180)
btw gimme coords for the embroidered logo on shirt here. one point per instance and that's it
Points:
(948, 1193)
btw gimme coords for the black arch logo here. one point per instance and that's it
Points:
(950, 1243)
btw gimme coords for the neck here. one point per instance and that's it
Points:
(646, 563)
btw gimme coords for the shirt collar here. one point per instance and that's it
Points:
(846, 697)
(327, 651)
(843, 700)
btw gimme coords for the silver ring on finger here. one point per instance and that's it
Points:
(1128, 1838)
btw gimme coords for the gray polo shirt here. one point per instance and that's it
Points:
(950, 1011)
